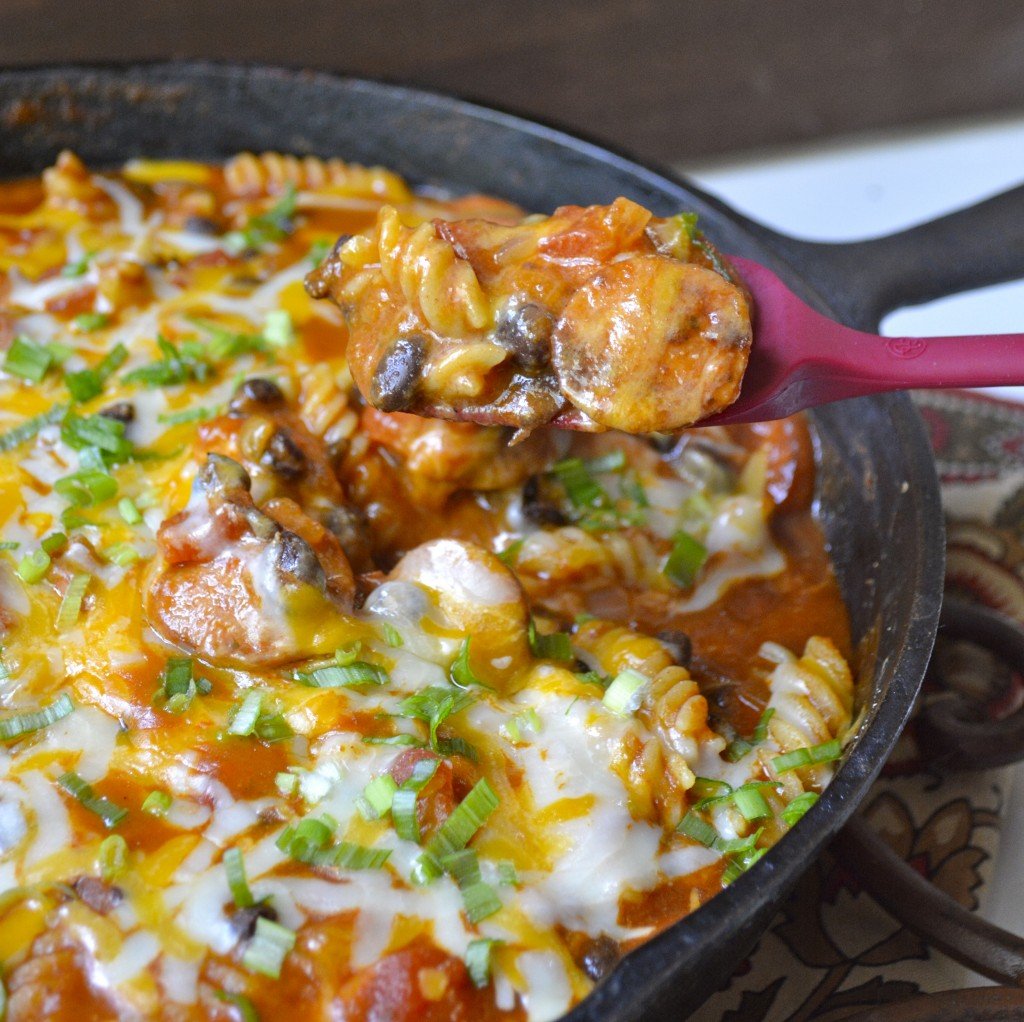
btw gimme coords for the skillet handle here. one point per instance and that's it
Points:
(863, 280)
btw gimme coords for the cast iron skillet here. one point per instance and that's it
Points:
(877, 489)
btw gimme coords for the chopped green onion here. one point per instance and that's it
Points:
(467, 818)
(54, 543)
(508, 876)
(732, 846)
(480, 901)
(243, 717)
(510, 554)
(268, 948)
(697, 829)
(30, 427)
(404, 802)
(78, 268)
(581, 488)
(343, 676)
(187, 415)
(319, 250)
(178, 684)
(710, 787)
(234, 866)
(112, 857)
(32, 567)
(273, 225)
(82, 431)
(556, 646)
(808, 756)
(86, 488)
(392, 636)
(157, 803)
(71, 604)
(462, 672)
(739, 747)
(740, 863)
(751, 803)
(634, 490)
(425, 870)
(26, 723)
(434, 705)
(375, 801)
(463, 867)
(123, 555)
(527, 720)
(794, 812)
(402, 739)
(177, 365)
(309, 842)
(111, 813)
(624, 695)
(686, 559)
(478, 960)
(602, 681)
(278, 328)
(246, 1010)
(27, 360)
(9, 544)
(87, 322)
(128, 511)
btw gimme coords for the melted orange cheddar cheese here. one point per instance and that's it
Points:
(310, 710)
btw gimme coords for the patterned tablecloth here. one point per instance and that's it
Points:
(832, 952)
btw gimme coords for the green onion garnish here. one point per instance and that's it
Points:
(510, 554)
(78, 268)
(86, 488)
(32, 567)
(827, 752)
(26, 723)
(112, 857)
(478, 960)
(796, 809)
(128, 511)
(27, 360)
(580, 486)
(526, 720)
(319, 250)
(246, 1009)
(375, 801)
(122, 554)
(686, 559)
(462, 672)
(87, 322)
(243, 716)
(392, 636)
(54, 543)
(278, 329)
(434, 705)
(466, 819)
(709, 787)
(99, 431)
(343, 675)
(71, 604)
(508, 876)
(407, 740)
(556, 646)
(624, 695)
(178, 684)
(309, 841)
(272, 226)
(30, 427)
(268, 948)
(234, 866)
(404, 803)
(197, 414)
(739, 747)
(111, 813)
(157, 803)
(751, 803)
(480, 901)
(697, 829)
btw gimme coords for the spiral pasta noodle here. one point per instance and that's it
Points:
(251, 176)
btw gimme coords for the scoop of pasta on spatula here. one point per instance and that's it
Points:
(598, 317)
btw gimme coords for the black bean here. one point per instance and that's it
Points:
(294, 557)
(397, 376)
(679, 645)
(284, 456)
(525, 330)
(243, 922)
(600, 957)
(257, 392)
(201, 225)
(121, 411)
(220, 473)
(536, 510)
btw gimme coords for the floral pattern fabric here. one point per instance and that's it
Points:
(832, 952)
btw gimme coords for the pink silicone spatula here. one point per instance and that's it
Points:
(800, 358)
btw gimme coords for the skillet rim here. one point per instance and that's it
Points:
(627, 992)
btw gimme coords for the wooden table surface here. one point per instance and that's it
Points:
(670, 80)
